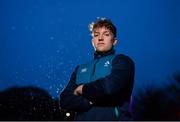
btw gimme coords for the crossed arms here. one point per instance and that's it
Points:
(83, 97)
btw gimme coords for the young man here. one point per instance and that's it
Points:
(101, 89)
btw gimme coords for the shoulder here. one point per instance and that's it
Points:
(75, 70)
(83, 67)
(86, 64)
(122, 58)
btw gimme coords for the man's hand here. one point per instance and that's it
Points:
(78, 90)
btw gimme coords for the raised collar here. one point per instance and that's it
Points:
(103, 54)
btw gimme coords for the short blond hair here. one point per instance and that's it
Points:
(103, 22)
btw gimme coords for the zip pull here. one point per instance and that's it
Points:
(116, 112)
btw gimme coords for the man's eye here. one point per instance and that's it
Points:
(95, 35)
(107, 34)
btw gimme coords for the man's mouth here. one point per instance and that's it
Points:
(99, 44)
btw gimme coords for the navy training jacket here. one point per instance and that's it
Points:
(108, 82)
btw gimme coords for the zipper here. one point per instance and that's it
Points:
(94, 69)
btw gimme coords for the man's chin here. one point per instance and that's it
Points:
(101, 50)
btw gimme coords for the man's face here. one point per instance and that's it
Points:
(103, 39)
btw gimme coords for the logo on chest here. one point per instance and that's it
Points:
(106, 64)
(83, 70)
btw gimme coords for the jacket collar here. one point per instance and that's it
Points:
(103, 54)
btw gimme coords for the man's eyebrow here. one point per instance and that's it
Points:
(106, 31)
(103, 32)
(96, 32)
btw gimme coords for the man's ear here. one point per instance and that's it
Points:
(115, 42)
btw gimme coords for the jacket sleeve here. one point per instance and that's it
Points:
(69, 101)
(118, 83)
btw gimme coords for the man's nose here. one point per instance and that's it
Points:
(100, 38)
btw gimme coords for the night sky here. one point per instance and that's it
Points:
(42, 41)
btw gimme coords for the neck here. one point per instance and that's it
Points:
(102, 54)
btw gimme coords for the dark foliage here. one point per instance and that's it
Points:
(28, 103)
(153, 103)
